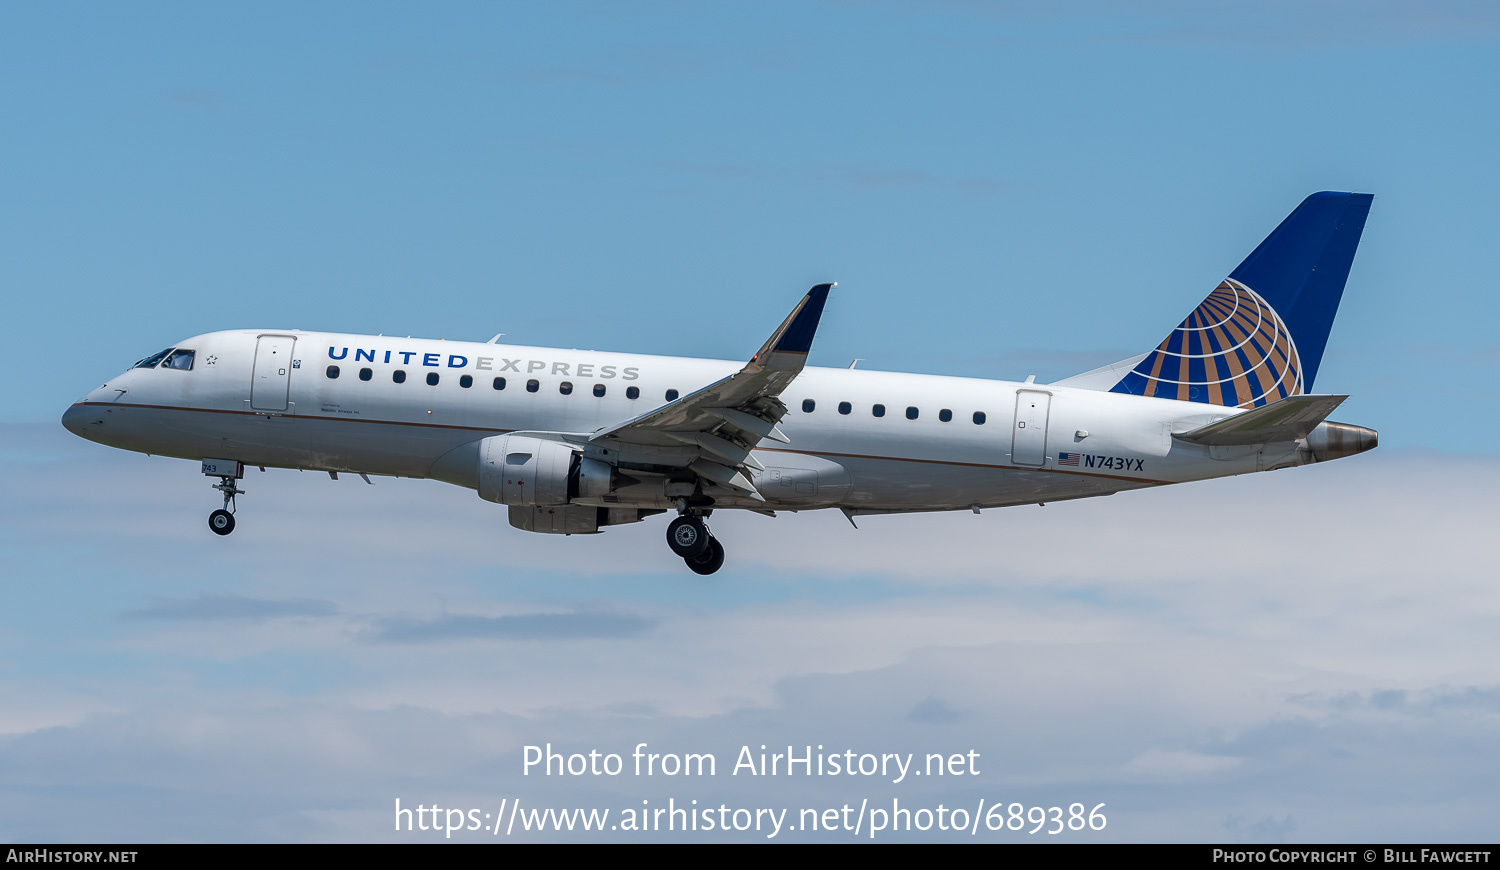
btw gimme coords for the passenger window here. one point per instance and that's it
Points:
(180, 359)
(945, 415)
(432, 379)
(978, 418)
(671, 395)
(333, 371)
(532, 386)
(566, 388)
(911, 413)
(845, 407)
(877, 410)
(151, 361)
(398, 376)
(808, 405)
(466, 381)
(599, 390)
(632, 392)
(499, 383)
(365, 374)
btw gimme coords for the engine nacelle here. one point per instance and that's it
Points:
(527, 471)
(572, 519)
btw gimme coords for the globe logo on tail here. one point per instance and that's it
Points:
(1233, 350)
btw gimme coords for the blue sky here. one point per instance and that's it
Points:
(999, 189)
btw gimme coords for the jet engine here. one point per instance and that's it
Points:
(525, 471)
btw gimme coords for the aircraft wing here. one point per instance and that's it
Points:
(1285, 420)
(727, 419)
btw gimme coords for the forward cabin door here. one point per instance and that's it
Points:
(1029, 446)
(272, 378)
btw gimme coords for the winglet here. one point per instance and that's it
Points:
(788, 346)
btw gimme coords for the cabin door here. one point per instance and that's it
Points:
(1029, 445)
(271, 380)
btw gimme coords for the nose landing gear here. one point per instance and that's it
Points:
(221, 522)
(690, 538)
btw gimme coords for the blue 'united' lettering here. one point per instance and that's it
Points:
(484, 363)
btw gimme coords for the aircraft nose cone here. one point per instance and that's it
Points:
(77, 419)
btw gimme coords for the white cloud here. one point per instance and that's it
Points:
(1179, 764)
(1312, 648)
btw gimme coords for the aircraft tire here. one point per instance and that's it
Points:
(221, 522)
(710, 561)
(688, 537)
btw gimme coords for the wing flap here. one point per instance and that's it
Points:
(725, 476)
(757, 426)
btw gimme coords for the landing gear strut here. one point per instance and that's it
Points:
(689, 538)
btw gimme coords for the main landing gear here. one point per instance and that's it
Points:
(690, 538)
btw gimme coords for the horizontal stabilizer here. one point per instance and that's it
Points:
(1286, 420)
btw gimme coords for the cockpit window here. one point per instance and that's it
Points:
(181, 358)
(151, 361)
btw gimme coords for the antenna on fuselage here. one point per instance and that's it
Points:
(496, 338)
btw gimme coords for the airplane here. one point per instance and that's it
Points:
(573, 442)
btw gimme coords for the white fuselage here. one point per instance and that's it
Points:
(266, 397)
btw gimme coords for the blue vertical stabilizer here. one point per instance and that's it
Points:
(1260, 335)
